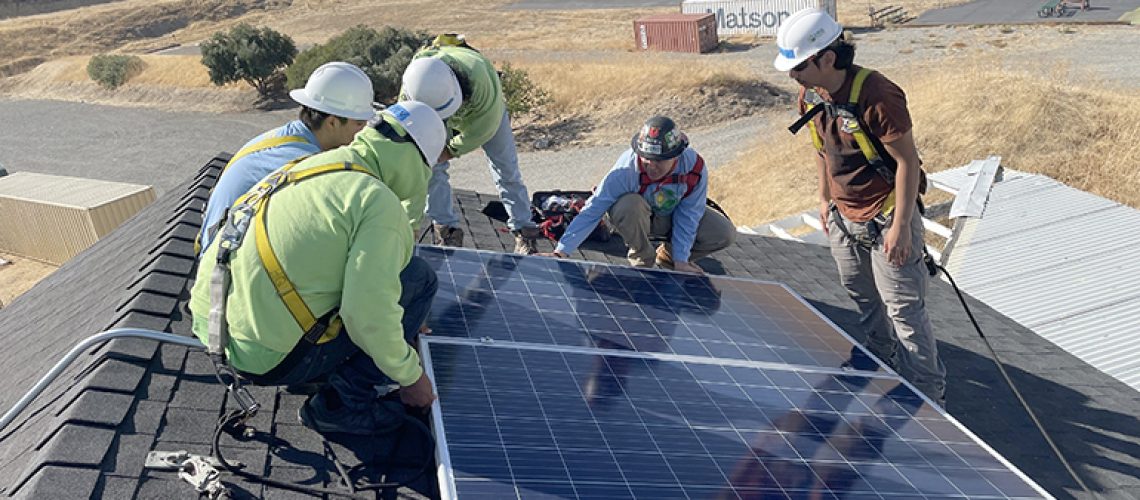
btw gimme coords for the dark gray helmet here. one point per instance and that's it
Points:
(659, 139)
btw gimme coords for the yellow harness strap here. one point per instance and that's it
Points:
(861, 136)
(262, 145)
(865, 145)
(285, 289)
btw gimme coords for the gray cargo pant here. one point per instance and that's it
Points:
(891, 300)
(635, 221)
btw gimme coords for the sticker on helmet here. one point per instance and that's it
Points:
(401, 113)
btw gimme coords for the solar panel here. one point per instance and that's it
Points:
(507, 297)
(562, 379)
(541, 423)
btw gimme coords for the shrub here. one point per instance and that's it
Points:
(382, 55)
(248, 54)
(113, 70)
(522, 94)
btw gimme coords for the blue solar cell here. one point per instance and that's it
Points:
(544, 301)
(527, 422)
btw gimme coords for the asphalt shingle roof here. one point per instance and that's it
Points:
(88, 435)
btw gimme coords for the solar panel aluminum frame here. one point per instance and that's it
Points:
(445, 473)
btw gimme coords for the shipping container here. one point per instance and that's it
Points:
(676, 32)
(52, 218)
(752, 17)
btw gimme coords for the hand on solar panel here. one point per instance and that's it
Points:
(419, 394)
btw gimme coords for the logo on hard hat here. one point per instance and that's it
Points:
(816, 34)
(401, 113)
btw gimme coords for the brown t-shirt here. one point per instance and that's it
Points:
(857, 189)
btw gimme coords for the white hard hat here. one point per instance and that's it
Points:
(803, 35)
(432, 82)
(423, 124)
(339, 89)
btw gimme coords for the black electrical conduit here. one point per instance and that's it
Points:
(1001, 368)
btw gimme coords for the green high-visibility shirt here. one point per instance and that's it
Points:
(342, 239)
(479, 117)
(400, 166)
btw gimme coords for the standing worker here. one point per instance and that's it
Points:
(657, 188)
(312, 274)
(335, 104)
(869, 185)
(465, 90)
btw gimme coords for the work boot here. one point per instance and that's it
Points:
(664, 258)
(639, 261)
(324, 413)
(447, 236)
(526, 240)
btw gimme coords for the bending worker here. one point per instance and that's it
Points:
(465, 90)
(869, 185)
(657, 189)
(316, 286)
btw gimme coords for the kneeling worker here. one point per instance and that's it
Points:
(314, 255)
(657, 188)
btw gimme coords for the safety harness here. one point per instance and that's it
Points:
(690, 179)
(852, 114)
(869, 145)
(257, 147)
(262, 145)
(252, 208)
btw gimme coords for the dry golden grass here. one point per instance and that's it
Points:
(485, 23)
(603, 85)
(174, 71)
(171, 82)
(1085, 135)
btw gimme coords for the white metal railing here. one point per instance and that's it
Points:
(89, 342)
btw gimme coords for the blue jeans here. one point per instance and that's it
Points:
(503, 159)
(354, 375)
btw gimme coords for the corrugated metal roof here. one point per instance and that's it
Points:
(1063, 262)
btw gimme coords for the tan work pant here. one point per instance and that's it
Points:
(636, 223)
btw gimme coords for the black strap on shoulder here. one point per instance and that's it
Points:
(388, 131)
(804, 119)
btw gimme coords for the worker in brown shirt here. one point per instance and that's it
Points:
(869, 182)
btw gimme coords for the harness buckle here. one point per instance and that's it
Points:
(229, 378)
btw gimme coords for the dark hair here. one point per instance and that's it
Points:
(844, 51)
(314, 119)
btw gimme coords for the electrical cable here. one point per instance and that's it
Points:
(237, 415)
(1009, 381)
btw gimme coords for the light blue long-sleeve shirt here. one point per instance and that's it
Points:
(664, 198)
(247, 171)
